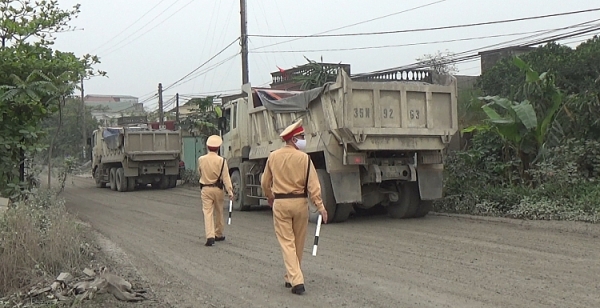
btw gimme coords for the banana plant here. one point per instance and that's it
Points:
(524, 126)
(550, 100)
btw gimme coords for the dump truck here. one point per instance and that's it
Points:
(130, 156)
(374, 140)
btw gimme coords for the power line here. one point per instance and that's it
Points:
(194, 76)
(210, 68)
(114, 37)
(362, 22)
(201, 65)
(472, 56)
(429, 29)
(467, 57)
(193, 95)
(158, 24)
(401, 45)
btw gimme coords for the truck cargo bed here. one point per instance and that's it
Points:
(367, 115)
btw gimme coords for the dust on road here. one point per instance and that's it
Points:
(437, 261)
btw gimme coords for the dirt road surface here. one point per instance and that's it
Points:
(438, 261)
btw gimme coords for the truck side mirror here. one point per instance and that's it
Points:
(89, 141)
(222, 123)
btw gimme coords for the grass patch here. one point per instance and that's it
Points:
(39, 239)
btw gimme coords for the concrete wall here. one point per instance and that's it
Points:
(491, 57)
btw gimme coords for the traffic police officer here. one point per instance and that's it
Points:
(289, 178)
(214, 176)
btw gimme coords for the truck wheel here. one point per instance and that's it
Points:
(413, 204)
(121, 180)
(99, 183)
(408, 204)
(173, 181)
(112, 178)
(131, 183)
(327, 197)
(424, 208)
(342, 212)
(164, 182)
(238, 203)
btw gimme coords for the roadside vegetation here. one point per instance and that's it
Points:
(39, 132)
(533, 139)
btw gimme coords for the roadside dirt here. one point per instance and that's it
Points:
(107, 254)
(438, 261)
(111, 256)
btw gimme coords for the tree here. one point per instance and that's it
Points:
(34, 81)
(203, 118)
(440, 62)
(576, 74)
(68, 139)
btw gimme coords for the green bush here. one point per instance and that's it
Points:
(563, 186)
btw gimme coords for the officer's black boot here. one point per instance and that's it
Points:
(288, 285)
(219, 238)
(210, 241)
(298, 289)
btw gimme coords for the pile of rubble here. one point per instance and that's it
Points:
(66, 287)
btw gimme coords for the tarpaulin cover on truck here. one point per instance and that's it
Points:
(290, 101)
(111, 137)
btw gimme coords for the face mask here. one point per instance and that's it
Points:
(300, 144)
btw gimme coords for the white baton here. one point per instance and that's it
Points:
(229, 219)
(316, 243)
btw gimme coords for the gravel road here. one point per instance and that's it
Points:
(438, 261)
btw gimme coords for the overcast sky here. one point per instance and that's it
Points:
(176, 36)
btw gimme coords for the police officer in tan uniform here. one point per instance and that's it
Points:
(289, 178)
(214, 176)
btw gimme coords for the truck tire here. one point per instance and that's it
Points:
(239, 190)
(131, 183)
(163, 183)
(424, 208)
(112, 174)
(327, 197)
(172, 181)
(415, 201)
(342, 212)
(121, 180)
(100, 184)
(97, 178)
(408, 203)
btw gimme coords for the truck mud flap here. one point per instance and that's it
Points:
(346, 187)
(431, 181)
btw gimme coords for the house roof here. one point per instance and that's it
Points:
(107, 98)
(113, 107)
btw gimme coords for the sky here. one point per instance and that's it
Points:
(145, 42)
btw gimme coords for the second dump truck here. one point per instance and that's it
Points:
(130, 156)
(378, 139)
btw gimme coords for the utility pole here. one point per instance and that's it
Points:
(83, 133)
(177, 109)
(160, 106)
(244, 42)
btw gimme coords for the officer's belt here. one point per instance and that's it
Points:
(290, 196)
(209, 185)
